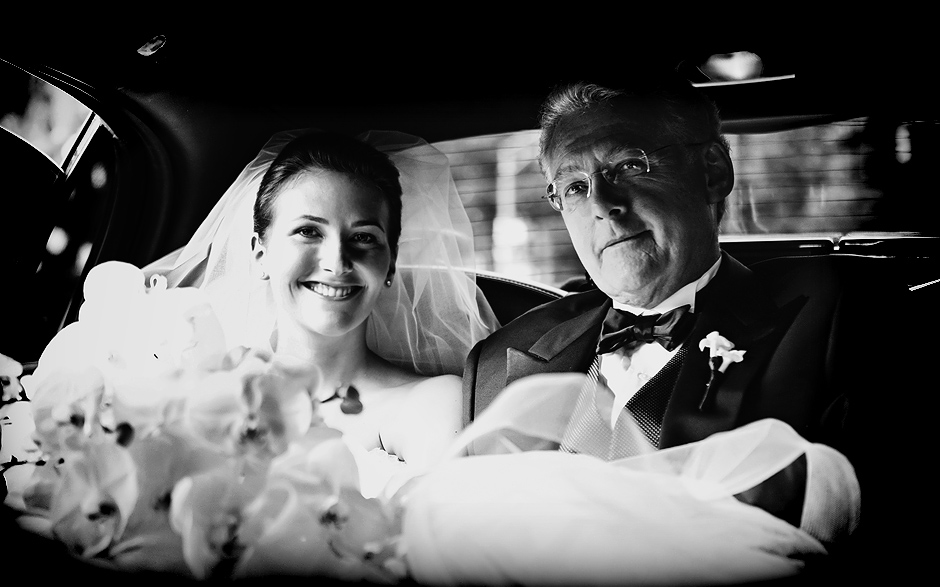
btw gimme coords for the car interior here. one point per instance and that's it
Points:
(163, 121)
(171, 119)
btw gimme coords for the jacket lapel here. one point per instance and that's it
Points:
(735, 305)
(569, 346)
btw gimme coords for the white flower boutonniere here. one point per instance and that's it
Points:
(721, 353)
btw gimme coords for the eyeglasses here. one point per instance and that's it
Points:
(572, 189)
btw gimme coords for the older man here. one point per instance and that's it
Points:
(640, 178)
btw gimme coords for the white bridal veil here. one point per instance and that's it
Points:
(427, 321)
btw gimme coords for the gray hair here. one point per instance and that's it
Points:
(688, 115)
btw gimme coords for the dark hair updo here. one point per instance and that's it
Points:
(328, 151)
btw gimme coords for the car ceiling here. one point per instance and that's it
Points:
(470, 82)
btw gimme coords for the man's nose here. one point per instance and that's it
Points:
(608, 199)
(333, 257)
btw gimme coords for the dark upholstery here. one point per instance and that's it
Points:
(881, 343)
(510, 298)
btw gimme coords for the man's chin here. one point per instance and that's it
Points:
(641, 293)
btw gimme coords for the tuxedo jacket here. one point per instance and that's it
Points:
(815, 357)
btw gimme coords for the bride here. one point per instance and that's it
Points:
(349, 255)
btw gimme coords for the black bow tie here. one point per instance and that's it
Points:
(622, 327)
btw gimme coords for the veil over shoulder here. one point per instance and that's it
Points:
(426, 322)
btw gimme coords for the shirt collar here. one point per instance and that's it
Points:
(685, 295)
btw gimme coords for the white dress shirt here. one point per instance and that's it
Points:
(627, 369)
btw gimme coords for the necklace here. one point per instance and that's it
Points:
(351, 403)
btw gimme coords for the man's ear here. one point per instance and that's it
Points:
(719, 172)
(257, 256)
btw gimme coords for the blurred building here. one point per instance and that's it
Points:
(829, 179)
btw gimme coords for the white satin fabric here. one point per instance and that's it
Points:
(512, 514)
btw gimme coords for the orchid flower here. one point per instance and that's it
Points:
(312, 520)
(94, 500)
(19, 452)
(206, 510)
(10, 372)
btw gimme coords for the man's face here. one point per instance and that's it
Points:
(648, 236)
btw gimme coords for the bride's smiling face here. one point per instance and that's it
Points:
(326, 252)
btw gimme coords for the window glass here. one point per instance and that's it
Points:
(833, 179)
(75, 206)
(42, 114)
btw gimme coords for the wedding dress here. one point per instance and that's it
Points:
(513, 514)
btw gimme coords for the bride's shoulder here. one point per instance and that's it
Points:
(436, 388)
(435, 396)
(441, 385)
(437, 383)
(422, 393)
(404, 381)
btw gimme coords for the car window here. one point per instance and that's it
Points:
(825, 180)
(69, 214)
(42, 114)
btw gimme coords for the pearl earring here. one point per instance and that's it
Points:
(388, 282)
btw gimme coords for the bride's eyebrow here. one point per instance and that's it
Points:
(311, 218)
(358, 223)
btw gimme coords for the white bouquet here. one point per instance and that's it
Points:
(141, 441)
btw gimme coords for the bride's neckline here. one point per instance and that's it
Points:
(378, 375)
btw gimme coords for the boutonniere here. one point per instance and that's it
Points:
(721, 353)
